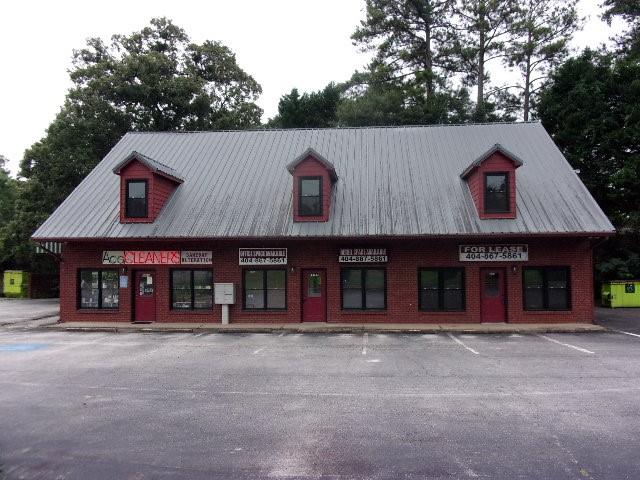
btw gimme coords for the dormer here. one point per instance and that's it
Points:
(313, 179)
(492, 183)
(145, 187)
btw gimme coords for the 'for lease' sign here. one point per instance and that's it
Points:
(494, 253)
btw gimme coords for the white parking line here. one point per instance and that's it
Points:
(626, 333)
(461, 343)
(580, 349)
(258, 350)
(365, 341)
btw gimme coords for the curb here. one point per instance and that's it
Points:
(325, 330)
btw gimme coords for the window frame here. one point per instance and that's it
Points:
(441, 308)
(264, 271)
(320, 196)
(545, 289)
(363, 289)
(146, 197)
(79, 288)
(507, 192)
(193, 291)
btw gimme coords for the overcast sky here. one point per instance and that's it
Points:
(281, 43)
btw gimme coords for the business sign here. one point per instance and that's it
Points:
(494, 253)
(156, 257)
(262, 256)
(363, 255)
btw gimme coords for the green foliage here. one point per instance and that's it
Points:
(8, 193)
(309, 110)
(629, 11)
(154, 79)
(591, 107)
(409, 38)
(538, 43)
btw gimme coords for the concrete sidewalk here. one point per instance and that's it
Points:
(325, 327)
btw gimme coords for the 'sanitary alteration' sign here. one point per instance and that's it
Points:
(494, 253)
(157, 257)
(262, 256)
(363, 255)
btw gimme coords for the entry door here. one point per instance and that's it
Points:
(145, 297)
(494, 300)
(314, 296)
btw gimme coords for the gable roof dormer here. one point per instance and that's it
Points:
(313, 179)
(492, 182)
(145, 187)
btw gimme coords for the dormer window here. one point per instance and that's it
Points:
(496, 192)
(137, 204)
(310, 203)
(313, 181)
(491, 179)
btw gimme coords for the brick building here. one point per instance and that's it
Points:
(470, 223)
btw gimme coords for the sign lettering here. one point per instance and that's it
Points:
(156, 257)
(494, 253)
(363, 255)
(262, 256)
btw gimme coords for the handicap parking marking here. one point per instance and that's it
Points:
(568, 345)
(22, 347)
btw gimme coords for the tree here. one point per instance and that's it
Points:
(154, 79)
(481, 29)
(404, 105)
(309, 110)
(8, 192)
(629, 11)
(591, 107)
(539, 42)
(409, 38)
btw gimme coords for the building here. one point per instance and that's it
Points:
(469, 223)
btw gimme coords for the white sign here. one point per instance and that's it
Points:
(195, 257)
(363, 255)
(156, 257)
(262, 256)
(494, 253)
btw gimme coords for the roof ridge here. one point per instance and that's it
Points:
(372, 127)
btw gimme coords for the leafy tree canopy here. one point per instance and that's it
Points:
(154, 79)
(309, 110)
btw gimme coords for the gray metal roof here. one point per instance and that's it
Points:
(392, 181)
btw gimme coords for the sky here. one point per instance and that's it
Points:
(282, 43)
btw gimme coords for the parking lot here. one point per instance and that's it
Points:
(101, 405)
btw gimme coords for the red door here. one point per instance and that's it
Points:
(145, 297)
(314, 296)
(494, 300)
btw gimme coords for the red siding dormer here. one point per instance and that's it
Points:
(160, 181)
(308, 170)
(492, 179)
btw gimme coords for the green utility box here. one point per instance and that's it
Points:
(16, 284)
(621, 293)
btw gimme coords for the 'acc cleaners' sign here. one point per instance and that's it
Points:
(156, 257)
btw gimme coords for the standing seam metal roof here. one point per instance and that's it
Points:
(393, 181)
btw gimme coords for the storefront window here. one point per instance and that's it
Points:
(364, 288)
(191, 289)
(98, 289)
(546, 288)
(441, 289)
(265, 289)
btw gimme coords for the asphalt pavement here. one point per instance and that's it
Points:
(343, 406)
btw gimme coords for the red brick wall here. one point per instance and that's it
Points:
(160, 189)
(405, 257)
(495, 163)
(312, 168)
